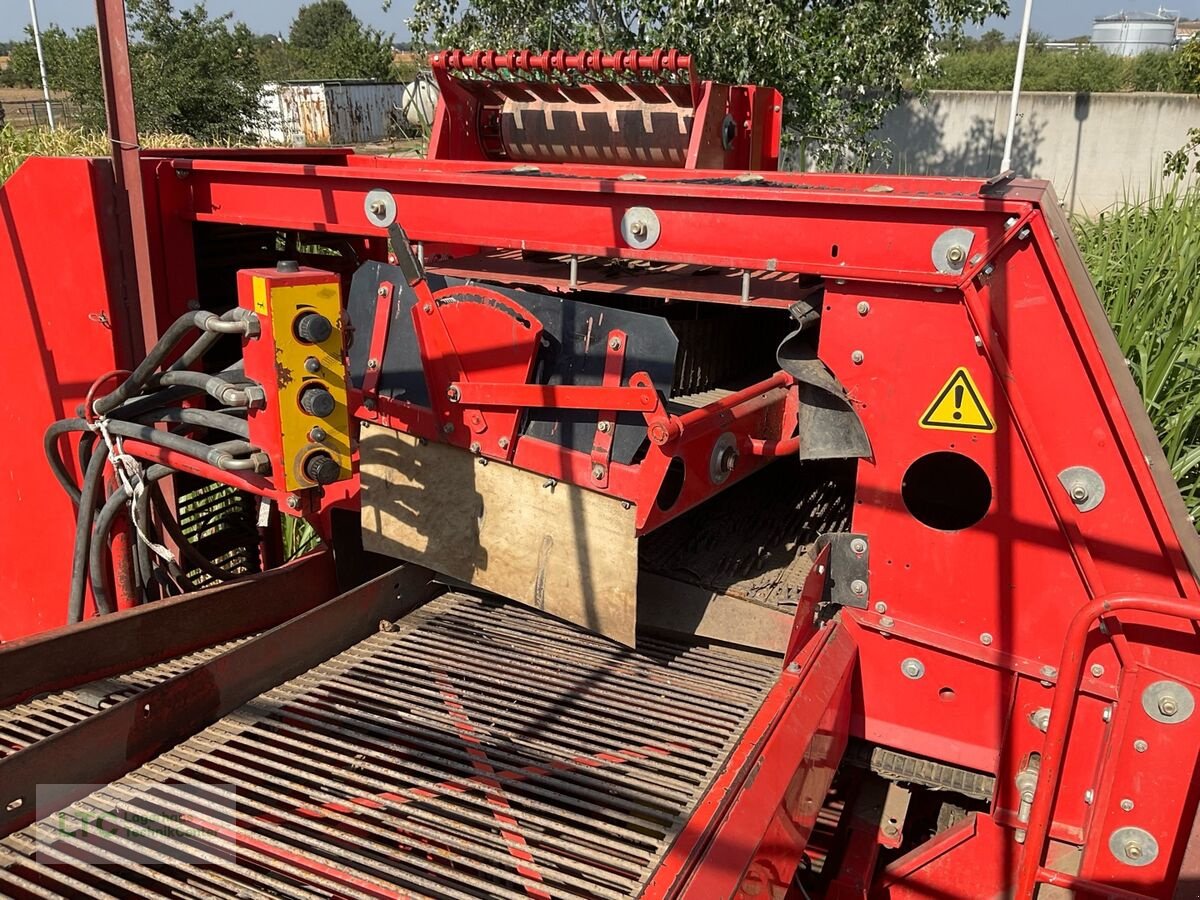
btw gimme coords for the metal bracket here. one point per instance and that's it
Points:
(379, 336)
(614, 363)
(849, 582)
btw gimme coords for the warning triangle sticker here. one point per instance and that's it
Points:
(958, 406)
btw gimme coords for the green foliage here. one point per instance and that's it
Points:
(841, 64)
(327, 41)
(1185, 159)
(1145, 261)
(317, 24)
(1088, 69)
(192, 74)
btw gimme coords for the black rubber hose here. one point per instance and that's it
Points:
(224, 391)
(54, 458)
(92, 480)
(204, 418)
(219, 455)
(236, 321)
(198, 559)
(98, 549)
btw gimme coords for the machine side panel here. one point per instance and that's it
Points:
(62, 316)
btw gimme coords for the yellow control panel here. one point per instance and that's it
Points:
(305, 426)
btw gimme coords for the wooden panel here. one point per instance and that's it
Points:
(685, 609)
(565, 550)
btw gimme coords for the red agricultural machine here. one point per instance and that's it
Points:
(689, 528)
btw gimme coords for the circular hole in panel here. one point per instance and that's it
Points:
(946, 491)
(946, 694)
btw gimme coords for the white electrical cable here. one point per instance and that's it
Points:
(1018, 75)
(129, 471)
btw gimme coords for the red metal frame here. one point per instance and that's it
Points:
(987, 609)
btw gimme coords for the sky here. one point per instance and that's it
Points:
(1057, 18)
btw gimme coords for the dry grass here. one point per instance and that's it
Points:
(16, 144)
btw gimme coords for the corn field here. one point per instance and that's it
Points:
(1144, 257)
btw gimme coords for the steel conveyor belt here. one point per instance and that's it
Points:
(479, 749)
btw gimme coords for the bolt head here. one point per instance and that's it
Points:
(638, 228)
(956, 254)
(881, 607)
(985, 639)
(1049, 671)
(452, 394)
(382, 292)
(887, 622)
(1140, 746)
(378, 208)
(857, 357)
(1107, 714)
(372, 364)
(448, 428)
(1088, 796)
(603, 427)
(863, 307)
(427, 308)
(293, 502)
(475, 448)
(1168, 705)
(1040, 718)
(502, 443)
(1133, 850)
(858, 587)
(1079, 492)
(1097, 670)
(858, 545)
(598, 472)
(614, 344)
(1127, 805)
(912, 668)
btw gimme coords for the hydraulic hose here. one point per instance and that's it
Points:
(99, 539)
(93, 477)
(219, 455)
(204, 418)
(225, 392)
(233, 322)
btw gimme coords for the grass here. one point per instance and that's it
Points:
(1144, 258)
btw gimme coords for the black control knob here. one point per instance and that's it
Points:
(322, 468)
(313, 328)
(316, 401)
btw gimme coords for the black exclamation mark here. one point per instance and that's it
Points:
(958, 398)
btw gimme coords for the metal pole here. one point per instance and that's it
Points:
(1006, 163)
(37, 43)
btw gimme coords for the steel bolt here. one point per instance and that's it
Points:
(1140, 746)
(1040, 718)
(1079, 492)
(1097, 670)
(912, 668)
(452, 394)
(614, 344)
(1107, 714)
(858, 587)
(1049, 671)
(378, 208)
(371, 364)
(1088, 796)
(857, 357)
(388, 627)
(887, 622)
(603, 427)
(502, 443)
(1127, 805)
(293, 502)
(427, 309)
(880, 607)
(475, 448)
(956, 254)
(863, 307)
(985, 639)
(638, 228)
(448, 428)
(382, 292)
(858, 545)
(1133, 850)
(598, 472)
(1168, 705)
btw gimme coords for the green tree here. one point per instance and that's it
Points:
(841, 64)
(318, 24)
(326, 40)
(192, 74)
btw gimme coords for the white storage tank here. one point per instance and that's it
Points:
(1131, 33)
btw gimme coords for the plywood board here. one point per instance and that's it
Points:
(563, 549)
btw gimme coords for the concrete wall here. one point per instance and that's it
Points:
(1095, 148)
